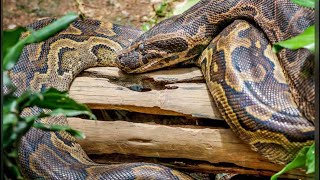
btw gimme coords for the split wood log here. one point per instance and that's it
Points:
(168, 92)
(201, 149)
(176, 92)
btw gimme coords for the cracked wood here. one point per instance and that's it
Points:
(193, 148)
(167, 92)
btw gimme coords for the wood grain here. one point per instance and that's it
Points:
(175, 92)
(167, 92)
(202, 149)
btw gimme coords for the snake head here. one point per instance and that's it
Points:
(163, 45)
(149, 54)
(129, 61)
(138, 58)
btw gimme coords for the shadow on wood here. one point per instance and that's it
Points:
(175, 92)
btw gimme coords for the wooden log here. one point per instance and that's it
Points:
(194, 148)
(180, 92)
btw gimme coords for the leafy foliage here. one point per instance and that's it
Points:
(14, 38)
(304, 159)
(165, 10)
(59, 103)
(303, 40)
(305, 3)
(13, 52)
(162, 11)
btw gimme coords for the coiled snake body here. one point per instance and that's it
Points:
(268, 102)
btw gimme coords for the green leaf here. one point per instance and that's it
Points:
(51, 29)
(11, 37)
(52, 99)
(179, 9)
(10, 118)
(13, 153)
(161, 9)
(15, 126)
(298, 162)
(59, 102)
(10, 139)
(46, 127)
(55, 91)
(310, 161)
(11, 168)
(10, 105)
(31, 119)
(23, 98)
(71, 113)
(305, 3)
(7, 132)
(145, 27)
(13, 53)
(6, 81)
(303, 40)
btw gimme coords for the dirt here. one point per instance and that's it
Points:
(126, 12)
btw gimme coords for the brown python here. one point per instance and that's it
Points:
(54, 63)
(267, 100)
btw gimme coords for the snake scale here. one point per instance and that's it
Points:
(267, 99)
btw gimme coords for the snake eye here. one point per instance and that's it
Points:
(141, 47)
(120, 56)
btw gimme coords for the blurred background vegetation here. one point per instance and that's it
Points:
(137, 13)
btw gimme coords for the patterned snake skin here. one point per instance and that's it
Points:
(55, 63)
(267, 100)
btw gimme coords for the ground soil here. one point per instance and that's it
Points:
(125, 12)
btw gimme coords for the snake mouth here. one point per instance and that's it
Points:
(132, 63)
(128, 62)
(138, 60)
